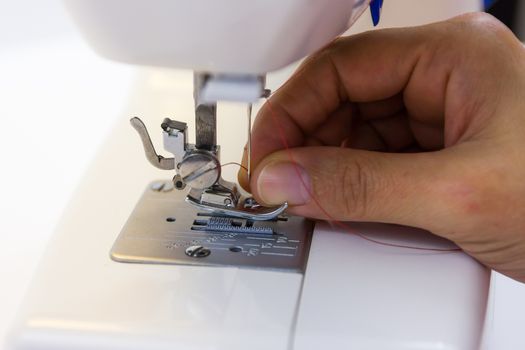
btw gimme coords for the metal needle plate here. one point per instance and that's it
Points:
(164, 229)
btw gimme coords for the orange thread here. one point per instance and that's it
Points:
(324, 211)
(234, 163)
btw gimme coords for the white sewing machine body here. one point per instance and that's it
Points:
(202, 35)
(351, 293)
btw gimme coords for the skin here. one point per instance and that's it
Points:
(420, 126)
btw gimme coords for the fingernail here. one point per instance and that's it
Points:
(281, 182)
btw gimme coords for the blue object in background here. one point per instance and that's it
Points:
(376, 5)
(375, 10)
(487, 3)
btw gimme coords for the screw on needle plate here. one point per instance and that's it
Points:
(197, 251)
(157, 186)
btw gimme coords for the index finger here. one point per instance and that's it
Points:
(368, 67)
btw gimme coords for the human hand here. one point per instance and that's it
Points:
(420, 126)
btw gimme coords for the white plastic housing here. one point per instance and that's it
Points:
(229, 36)
(354, 294)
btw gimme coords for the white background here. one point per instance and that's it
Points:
(58, 102)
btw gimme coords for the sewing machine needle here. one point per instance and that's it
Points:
(249, 141)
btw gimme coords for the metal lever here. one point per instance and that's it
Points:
(156, 160)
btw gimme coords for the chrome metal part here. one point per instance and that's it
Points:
(198, 166)
(258, 213)
(152, 156)
(178, 183)
(228, 224)
(266, 93)
(205, 116)
(200, 170)
(197, 251)
(163, 229)
(175, 136)
(214, 197)
(223, 193)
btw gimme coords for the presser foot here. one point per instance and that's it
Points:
(200, 170)
(246, 211)
(225, 199)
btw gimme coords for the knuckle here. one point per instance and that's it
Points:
(477, 19)
(482, 24)
(358, 187)
(338, 44)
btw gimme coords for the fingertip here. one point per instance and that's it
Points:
(282, 181)
(242, 178)
(242, 174)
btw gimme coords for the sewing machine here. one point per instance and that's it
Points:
(193, 261)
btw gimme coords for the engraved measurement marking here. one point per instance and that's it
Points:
(226, 237)
(218, 243)
(278, 254)
(172, 245)
(282, 240)
(261, 238)
(283, 247)
(253, 252)
(220, 248)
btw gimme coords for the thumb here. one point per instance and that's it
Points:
(347, 184)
